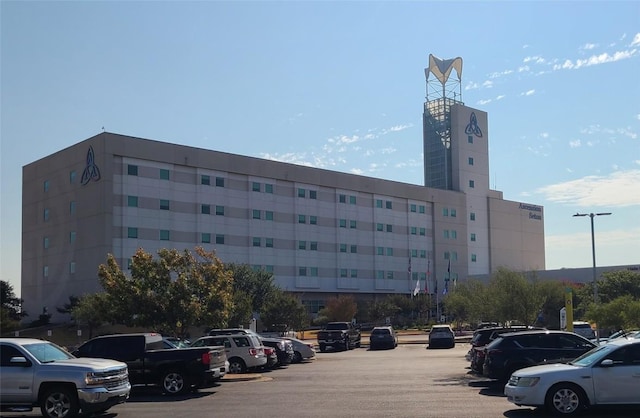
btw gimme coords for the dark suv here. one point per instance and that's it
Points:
(513, 351)
(482, 337)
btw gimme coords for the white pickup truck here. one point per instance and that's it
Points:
(36, 373)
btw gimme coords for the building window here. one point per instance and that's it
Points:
(313, 220)
(302, 219)
(72, 237)
(343, 272)
(454, 234)
(354, 249)
(470, 139)
(313, 194)
(414, 208)
(268, 215)
(470, 160)
(423, 253)
(72, 207)
(447, 255)
(342, 198)
(379, 203)
(302, 193)
(352, 200)
(379, 250)
(205, 209)
(314, 271)
(219, 181)
(423, 231)
(454, 256)
(389, 228)
(219, 210)
(389, 251)
(302, 245)
(421, 208)
(352, 224)
(219, 239)
(132, 170)
(72, 267)
(255, 186)
(268, 188)
(164, 174)
(72, 176)
(379, 274)
(268, 268)
(313, 246)
(45, 215)
(414, 230)
(45, 242)
(390, 275)
(472, 216)
(132, 201)
(268, 242)
(472, 184)
(205, 180)
(414, 253)
(473, 258)
(445, 211)
(302, 271)
(343, 223)
(473, 237)
(453, 213)
(379, 227)
(164, 235)
(343, 248)
(45, 185)
(257, 241)
(354, 273)
(389, 204)
(45, 271)
(205, 238)
(164, 204)
(446, 234)
(256, 214)
(132, 232)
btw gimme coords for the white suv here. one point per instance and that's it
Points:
(244, 351)
(584, 329)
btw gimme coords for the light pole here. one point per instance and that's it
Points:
(593, 250)
(593, 253)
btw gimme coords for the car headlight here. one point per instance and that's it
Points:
(526, 381)
(93, 379)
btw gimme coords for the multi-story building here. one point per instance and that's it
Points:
(319, 232)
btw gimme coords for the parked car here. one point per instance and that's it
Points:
(383, 337)
(284, 349)
(302, 350)
(272, 357)
(514, 351)
(584, 329)
(606, 375)
(38, 373)
(441, 336)
(178, 342)
(343, 335)
(153, 362)
(244, 351)
(481, 338)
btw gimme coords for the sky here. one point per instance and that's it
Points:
(341, 86)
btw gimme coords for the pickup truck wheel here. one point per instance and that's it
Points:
(174, 383)
(236, 365)
(59, 402)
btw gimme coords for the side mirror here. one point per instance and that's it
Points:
(606, 362)
(19, 361)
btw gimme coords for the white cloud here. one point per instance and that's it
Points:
(487, 84)
(524, 68)
(618, 189)
(588, 46)
(471, 86)
(484, 102)
(500, 97)
(575, 143)
(544, 135)
(636, 40)
(357, 171)
(528, 93)
(596, 60)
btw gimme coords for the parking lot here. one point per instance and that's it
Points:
(409, 381)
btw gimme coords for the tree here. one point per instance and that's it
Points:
(172, 293)
(67, 308)
(92, 310)
(515, 298)
(380, 310)
(10, 308)
(251, 289)
(340, 308)
(620, 313)
(284, 309)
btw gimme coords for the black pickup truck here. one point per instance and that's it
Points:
(343, 335)
(153, 362)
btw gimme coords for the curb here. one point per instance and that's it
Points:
(240, 377)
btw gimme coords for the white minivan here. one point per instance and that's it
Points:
(584, 329)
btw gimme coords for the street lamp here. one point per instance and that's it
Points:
(593, 250)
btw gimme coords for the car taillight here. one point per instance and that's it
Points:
(206, 358)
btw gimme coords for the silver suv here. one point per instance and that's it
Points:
(244, 351)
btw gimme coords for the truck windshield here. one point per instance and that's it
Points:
(337, 326)
(47, 352)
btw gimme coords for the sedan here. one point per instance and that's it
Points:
(383, 337)
(301, 350)
(606, 375)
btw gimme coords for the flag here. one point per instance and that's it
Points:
(426, 282)
(409, 269)
(417, 289)
(446, 287)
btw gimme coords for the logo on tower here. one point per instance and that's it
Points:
(472, 127)
(91, 171)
